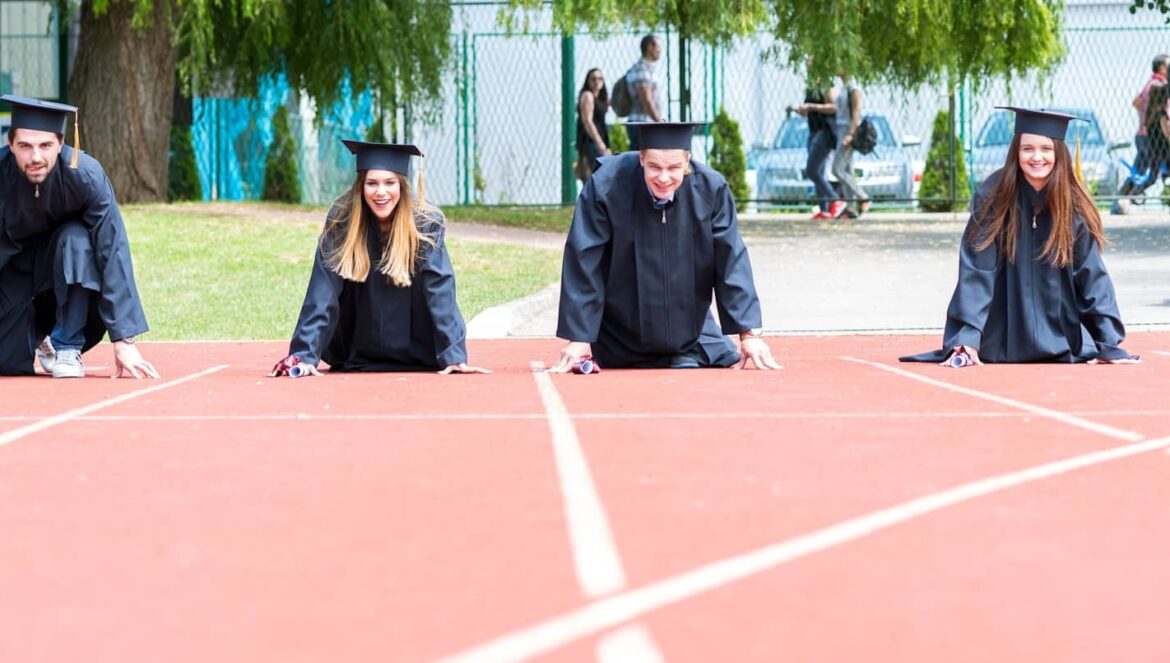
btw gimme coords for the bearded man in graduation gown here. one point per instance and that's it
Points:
(654, 235)
(66, 279)
(1032, 284)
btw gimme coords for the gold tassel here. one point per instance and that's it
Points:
(1077, 160)
(76, 139)
(422, 187)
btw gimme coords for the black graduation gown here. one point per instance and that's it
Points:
(1030, 310)
(636, 282)
(376, 325)
(27, 222)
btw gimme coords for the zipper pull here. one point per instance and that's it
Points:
(664, 215)
(1033, 222)
(37, 191)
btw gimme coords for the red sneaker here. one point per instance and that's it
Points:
(820, 214)
(836, 208)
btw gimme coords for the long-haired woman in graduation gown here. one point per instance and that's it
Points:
(381, 296)
(1032, 283)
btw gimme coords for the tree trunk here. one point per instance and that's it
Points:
(123, 81)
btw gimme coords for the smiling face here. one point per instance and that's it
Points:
(664, 170)
(381, 191)
(36, 152)
(1037, 157)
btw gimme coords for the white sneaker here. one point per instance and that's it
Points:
(46, 355)
(68, 364)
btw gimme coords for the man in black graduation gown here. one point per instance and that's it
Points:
(65, 273)
(654, 234)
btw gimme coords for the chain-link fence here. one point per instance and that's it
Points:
(506, 123)
(30, 48)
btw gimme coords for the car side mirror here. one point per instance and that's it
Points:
(910, 140)
(1120, 146)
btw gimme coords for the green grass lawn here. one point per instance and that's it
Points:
(554, 219)
(239, 272)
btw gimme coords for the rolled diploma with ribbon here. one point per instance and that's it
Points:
(585, 365)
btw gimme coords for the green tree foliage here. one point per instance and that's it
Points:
(936, 174)
(1162, 6)
(727, 154)
(709, 22)
(183, 178)
(281, 175)
(619, 140)
(398, 48)
(376, 133)
(910, 43)
(327, 49)
(907, 43)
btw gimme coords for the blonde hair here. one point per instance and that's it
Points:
(348, 217)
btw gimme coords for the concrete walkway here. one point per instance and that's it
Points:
(882, 273)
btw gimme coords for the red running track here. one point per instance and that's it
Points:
(232, 517)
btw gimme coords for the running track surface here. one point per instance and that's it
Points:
(846, 508)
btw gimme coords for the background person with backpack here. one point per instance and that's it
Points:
(645, 94)
(848, 119)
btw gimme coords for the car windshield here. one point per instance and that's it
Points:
(997, 131)
(793, 133)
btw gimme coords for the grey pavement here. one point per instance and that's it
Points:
(891, 274)
(475, 232)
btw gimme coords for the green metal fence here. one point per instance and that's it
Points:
(505, 130)
(32, 47)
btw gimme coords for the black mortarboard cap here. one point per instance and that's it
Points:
(29, 113)
(666, 135)
(1041, 122)
(383, 156)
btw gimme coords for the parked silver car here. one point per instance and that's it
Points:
(885, 174)
(1099, 164)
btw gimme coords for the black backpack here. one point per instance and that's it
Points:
(865, 138)
(619, 98)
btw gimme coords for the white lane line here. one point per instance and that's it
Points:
(24, 431)
(595, 555)
(472, 416)
(1062, 417)
(587, 416)
(1161, 352)
(632, 644)
(552, 634)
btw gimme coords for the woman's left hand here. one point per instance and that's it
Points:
(1127, 360)
(462, 368)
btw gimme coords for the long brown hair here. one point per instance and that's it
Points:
(998, 215)
(347, 219)
(602, 94)
(1156, 104)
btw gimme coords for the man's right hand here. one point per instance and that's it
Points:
(572, 352)
(128, 361)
